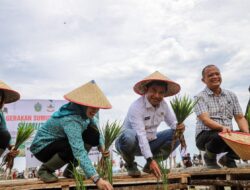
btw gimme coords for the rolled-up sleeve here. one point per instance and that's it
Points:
(237, 109)
(200, 107)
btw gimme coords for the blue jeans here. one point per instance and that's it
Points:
(128, 146)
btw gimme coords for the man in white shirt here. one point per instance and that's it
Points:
(140, 135)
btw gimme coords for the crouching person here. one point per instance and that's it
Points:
(140, 136)
(69, 135)
(7, 95)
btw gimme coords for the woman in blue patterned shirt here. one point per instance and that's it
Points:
(70, 133)
(7, 95)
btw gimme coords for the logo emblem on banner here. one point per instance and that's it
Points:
(38, 107)
(51, 107)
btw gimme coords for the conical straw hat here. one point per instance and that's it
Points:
(173, 87)
(89, 95)
(9, 94)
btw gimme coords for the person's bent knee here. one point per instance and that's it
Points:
(127, 138)
(166, 134)
(177, 143)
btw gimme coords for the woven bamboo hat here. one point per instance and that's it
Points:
(239, 142)
(90, 95)
(141, 86)
(9, 94)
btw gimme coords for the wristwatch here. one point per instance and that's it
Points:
(96, 178)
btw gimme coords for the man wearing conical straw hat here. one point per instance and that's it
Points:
(215, 109)
(7, 95)
(70, 133)
(140, 136)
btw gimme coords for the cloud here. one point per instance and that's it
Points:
(48, 48)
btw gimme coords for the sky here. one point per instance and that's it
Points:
(50, 47)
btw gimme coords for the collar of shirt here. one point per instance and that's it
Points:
(149, 105)
(210, 92)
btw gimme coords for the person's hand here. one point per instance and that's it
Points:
(155, 169)
(14, 152)
(180, 127)
(104, 185)
(10, 146)
(105, 154)
(226, 129)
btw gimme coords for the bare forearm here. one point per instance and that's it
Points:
(242, 123)
(210, 123)
(213, 124)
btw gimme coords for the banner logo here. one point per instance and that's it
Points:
(38, 107)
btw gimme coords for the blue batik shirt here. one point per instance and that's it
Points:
(70, 127)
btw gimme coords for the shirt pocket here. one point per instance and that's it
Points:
(213, 110)
(229, 109)
(159, 118)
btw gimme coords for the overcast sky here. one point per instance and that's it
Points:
(50, 47)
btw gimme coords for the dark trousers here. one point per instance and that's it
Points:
(63, 149)
(211, 141)
(4, 139)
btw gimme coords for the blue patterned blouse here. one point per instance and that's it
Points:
(71, 127)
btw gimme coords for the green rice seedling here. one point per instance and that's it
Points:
(164, 170)
(182, 107)
(110, 170)
(79, 178)
(110, 132)
(23, 133)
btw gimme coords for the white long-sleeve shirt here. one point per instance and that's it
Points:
(145, 119)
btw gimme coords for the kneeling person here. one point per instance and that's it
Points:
(140, 136)
(69, 135)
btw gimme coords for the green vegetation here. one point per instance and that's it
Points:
(163, 167)
(78, 178)
(183, 107)
(23, 133)
(110, 132)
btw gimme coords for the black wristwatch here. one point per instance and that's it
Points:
(149, 160)
(96, 178)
